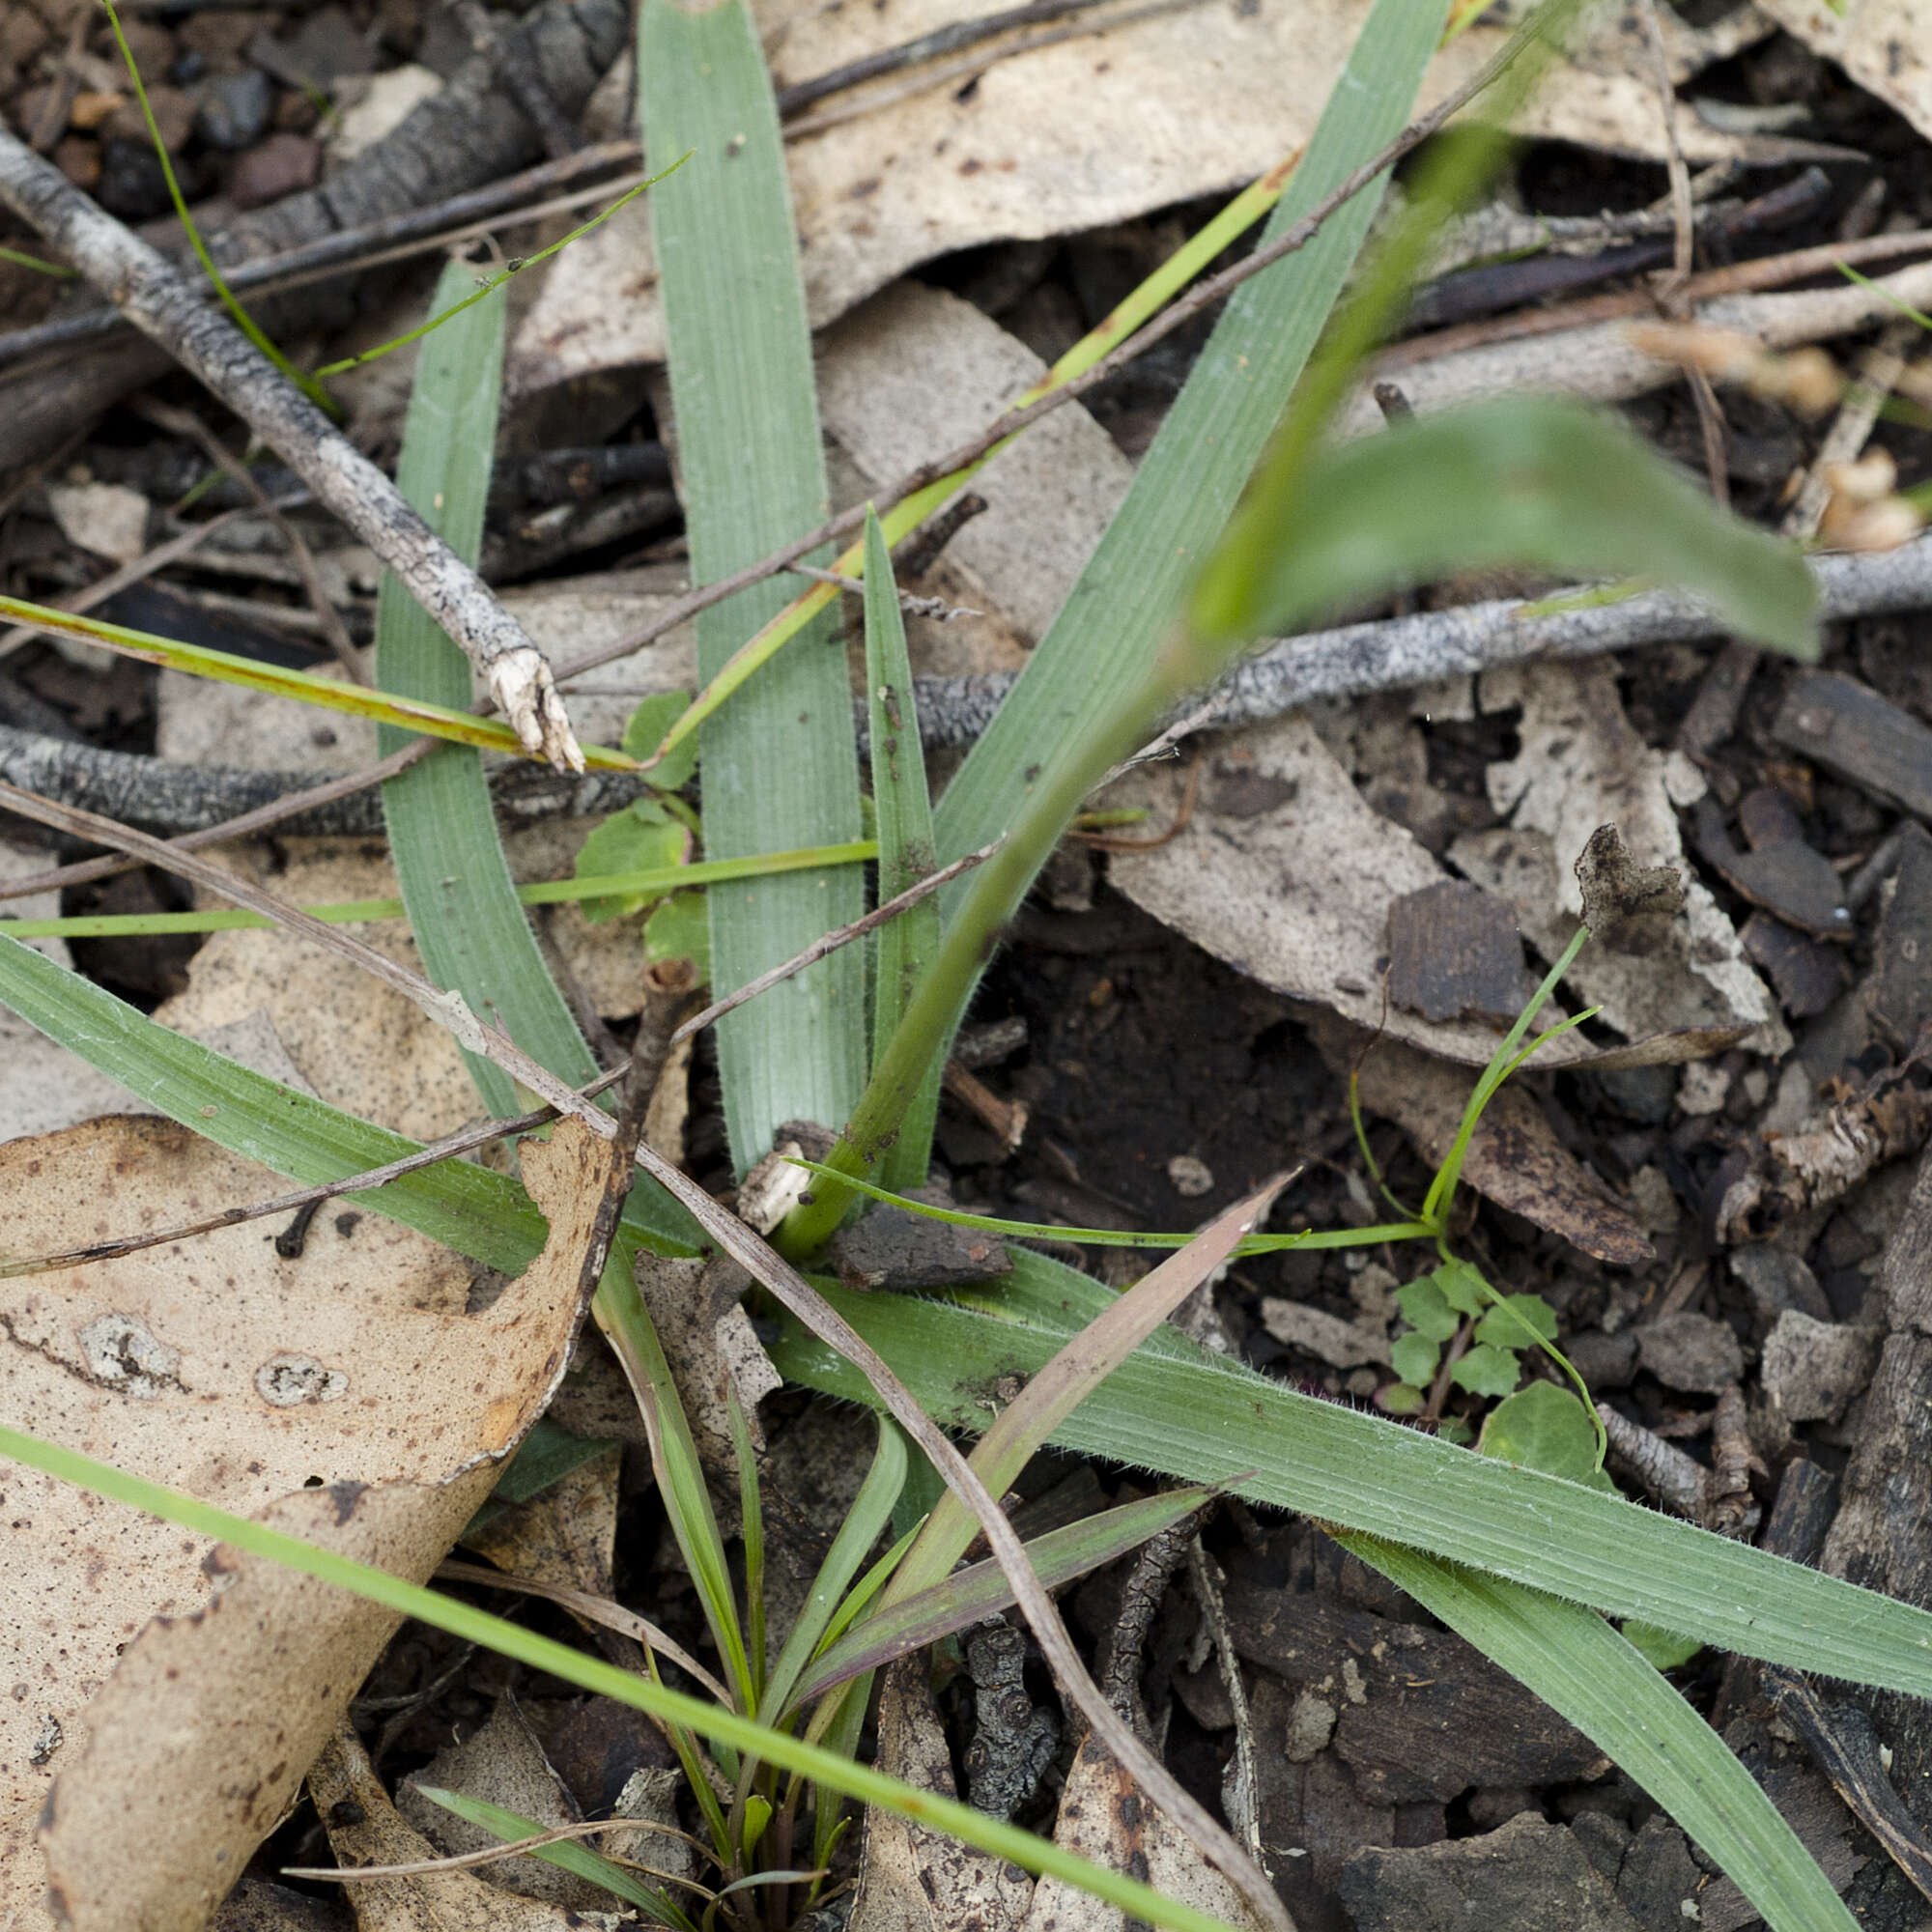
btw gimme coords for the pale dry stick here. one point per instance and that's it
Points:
(164, 304)
(1246, 1802)
(184, 422)
(1177, 313)
(1859, 411)
(778, 1275)
(467, 1139)
(134, 571)
(598, 1609)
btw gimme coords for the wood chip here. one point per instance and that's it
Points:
(1455, 955)
(1850, 730)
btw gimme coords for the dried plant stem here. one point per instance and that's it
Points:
(166, 305)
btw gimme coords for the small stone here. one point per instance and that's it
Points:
(1604, 1361)
(105, 519)
(1703, 1088)
(1812, 1369)
(234, 108)
(283, 164)
(174, 117)
(131, 183)
(1310, 1724)
(1690, 1352)
(90, 108)
(79, 160)
(1191, 1177)
(1776, 1280)
(1655, 1199)
(1342, 1345)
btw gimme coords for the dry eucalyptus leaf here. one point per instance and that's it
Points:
(1885, 46)
(1056, 140)
(567, 1535)
(365, 1829)
(911, 1878)
(1105, 1816)
(351, 1377)
(1514, 1158)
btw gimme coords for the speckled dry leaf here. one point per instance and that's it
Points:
(916, 1880)
(503, 1764)
(916, 370)
(1103, 1816)
(365, 1830)
(1581, 765)
(360, 1046)
(1514, 1158)
(1053, 141)
(218, 1367)
(567, 1535)
(1885, 46)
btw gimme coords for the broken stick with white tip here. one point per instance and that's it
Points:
(166, 305)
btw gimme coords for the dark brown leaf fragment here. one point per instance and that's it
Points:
(1853, 731)
(1628, 907)
(1455, 955)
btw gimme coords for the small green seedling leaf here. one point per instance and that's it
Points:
(1660, 1649)
(1487, 1370)
(1463, 1288)
(1518, 1320)
(1415, 1356)
(758, 1815)
(642, 838)
(1400, 1398)
(644, 733)
(1542, 1428)
(680, 928)
(1428, 1311)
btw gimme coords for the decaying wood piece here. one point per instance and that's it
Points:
(166, 305)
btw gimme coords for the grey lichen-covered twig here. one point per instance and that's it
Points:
(164, 304)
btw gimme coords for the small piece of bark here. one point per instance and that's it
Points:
(892, 1248)
(1807, 976)
(1786, 876)
(1013, 1738)
(1690, 1352)
(1812, 1369)
(1455, 955)
(1898, 995)
(1850, 730)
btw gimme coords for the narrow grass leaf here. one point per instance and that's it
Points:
(726, 1728)
(1188, 483)
(424, 720)
(907, 945)
(1581, 1667)
(478, 1213)
(474, 935)
(1525, 480)
(780, 765)
(1175, 1409)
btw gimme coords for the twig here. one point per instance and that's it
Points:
(1244, 1802)
(793, 1290)
(1176, 315)
(164, 305)
(490, 1855)
(184, 422)
(655, 1044)
(1859, 411)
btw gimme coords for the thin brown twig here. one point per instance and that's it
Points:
(1177, 313)
(490, 1855)
(790, 1287)
(184, 422)
(166, 305)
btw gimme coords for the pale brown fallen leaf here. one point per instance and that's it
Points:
(1514, 1158)
(365, 1829)
(911, 1878)
(1885, 46)
(565, 1535)
(351, 1377)
(1058, 140)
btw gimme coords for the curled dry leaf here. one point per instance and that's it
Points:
(1627, 906)
(1058, 140)
(351, 1377)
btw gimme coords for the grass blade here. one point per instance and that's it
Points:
(780, 767)
(473, 934)
(1578, 1665)
(425, 720)
(590, 1673)
(1105, 637)
(478, 1213)
(1175, 1409)
(904, 812)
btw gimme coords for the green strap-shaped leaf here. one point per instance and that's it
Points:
(1105, 637)
(1526, 480)
(780, 765)
(906, 943)
(473, 934)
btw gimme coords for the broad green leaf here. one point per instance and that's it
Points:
(680, 928)
(1175, 1409)
(1580, 1667)
(474, 935)
(1543, 1427)
(1191, 478)
(1517, 1321)
(1487, 1370)
(645, 728)
(1463, 1288)
(543, 1655)
(478, 1213)
(781, 765)
(906, 945)
(1427, 1309)
(643, 837)
(1414, 1357)
(1401, 1398)
(1525, 480)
